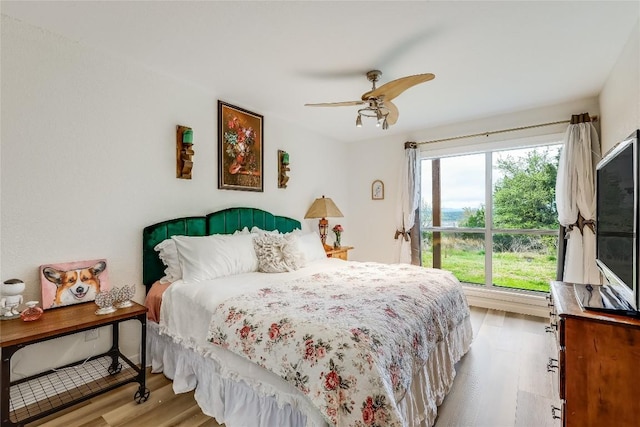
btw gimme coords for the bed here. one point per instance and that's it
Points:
(330, 342)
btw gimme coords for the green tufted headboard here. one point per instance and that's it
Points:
(226, 221)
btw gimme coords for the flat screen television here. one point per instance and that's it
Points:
(617, 225)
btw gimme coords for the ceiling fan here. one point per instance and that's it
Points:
(377, 101)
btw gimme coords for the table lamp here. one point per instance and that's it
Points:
(322, 208)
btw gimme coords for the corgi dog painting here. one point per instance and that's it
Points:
(73, 282)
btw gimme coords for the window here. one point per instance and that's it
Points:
(491, 217)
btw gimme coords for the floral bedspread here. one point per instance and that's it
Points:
(350, 340)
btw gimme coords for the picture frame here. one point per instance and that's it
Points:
(377, 190)
(71, 283)
(240, 149)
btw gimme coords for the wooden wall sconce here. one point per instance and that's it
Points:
(184, 152)
(283, 168)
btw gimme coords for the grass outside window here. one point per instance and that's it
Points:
(526, 269)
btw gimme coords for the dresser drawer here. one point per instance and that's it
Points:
(562, 369)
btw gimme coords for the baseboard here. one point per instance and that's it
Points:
(522, 303)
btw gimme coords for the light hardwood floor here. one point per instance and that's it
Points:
(501, 382)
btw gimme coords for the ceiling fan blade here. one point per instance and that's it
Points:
(392, 118)
(394, 88)
(335, 104)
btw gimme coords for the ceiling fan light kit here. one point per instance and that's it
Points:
(378, 100)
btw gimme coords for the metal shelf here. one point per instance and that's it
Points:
(66, 385)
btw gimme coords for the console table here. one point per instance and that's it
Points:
(28, 399)
(598, 363)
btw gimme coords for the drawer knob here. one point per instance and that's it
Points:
(554, 412)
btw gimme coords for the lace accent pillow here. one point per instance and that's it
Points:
(277, 253)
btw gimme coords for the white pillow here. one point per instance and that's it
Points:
(278, 253)
(243, 231)
(218, 255)
(310, 245)
(260, 231)
(168, 254)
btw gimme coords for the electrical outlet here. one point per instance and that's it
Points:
(91, 334)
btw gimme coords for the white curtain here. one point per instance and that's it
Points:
(408, 199)
(575, 200)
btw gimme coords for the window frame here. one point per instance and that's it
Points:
(438, 151)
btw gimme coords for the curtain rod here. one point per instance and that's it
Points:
(593, 119)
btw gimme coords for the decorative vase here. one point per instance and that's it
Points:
(336, 244)
(32, 312)
(104, 300)
(10, 298)
(237, 164)
(125, 294)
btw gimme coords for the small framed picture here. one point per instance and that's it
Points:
(377, 190)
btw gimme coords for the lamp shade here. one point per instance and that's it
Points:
(323, 207)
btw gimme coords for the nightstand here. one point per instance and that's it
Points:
(340, 253)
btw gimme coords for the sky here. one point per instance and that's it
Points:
(462, 178)
(462, 181)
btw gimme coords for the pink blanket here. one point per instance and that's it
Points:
(153, 300)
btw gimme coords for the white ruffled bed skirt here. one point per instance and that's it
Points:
(239, 400)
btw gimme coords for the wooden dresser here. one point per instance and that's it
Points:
(598, 363)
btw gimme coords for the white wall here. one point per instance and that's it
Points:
(382, 158)
(620, 96)
(88, 160)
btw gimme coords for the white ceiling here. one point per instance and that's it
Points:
(272, 57)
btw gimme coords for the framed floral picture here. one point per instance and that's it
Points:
(73, 282)
(240, 149)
